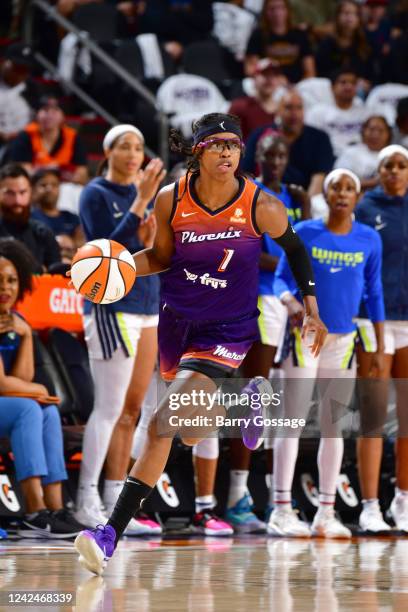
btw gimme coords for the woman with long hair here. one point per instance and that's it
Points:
(346, 257)
(385, 208)
(121, 337)
(278, 39)
(347, 46)
(207, 245)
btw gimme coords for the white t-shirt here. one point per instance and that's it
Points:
(360, 159)
(15, 112)
(69, 197)
(233, 27)
(342, 126)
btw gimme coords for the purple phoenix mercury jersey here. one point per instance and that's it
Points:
(209, 294)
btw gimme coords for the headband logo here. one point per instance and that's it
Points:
(222, 125)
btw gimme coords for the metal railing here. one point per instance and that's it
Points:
(106, 60)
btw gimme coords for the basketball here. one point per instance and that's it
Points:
(103, 271)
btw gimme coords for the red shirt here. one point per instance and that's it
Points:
(251, 113)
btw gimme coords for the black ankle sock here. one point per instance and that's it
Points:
(129, 502)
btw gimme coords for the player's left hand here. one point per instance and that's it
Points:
(314, 326)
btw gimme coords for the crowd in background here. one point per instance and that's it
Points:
(311, 97)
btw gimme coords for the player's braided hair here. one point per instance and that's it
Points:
(182, 145)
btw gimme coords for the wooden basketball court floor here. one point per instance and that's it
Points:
(216, 575)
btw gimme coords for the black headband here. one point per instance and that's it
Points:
(226, 125)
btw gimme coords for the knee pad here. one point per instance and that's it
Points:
(207, 449)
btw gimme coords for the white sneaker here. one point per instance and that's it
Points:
(90, 513)
(399, 512)
(371, 518)
(285, 522)
(326, 525)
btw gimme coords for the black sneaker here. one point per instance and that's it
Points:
(67, 516)
(45, 524)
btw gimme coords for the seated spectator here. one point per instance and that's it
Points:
(342, 121)
(46, 187)
(15, 208)
(397, 65)
(400, 134)
(16, 91)
(48, 141)
(27, 415)
(348, 46)
(377, 26)
(362, 158)
(177, 23)
(260, 108)
(277, 39)
(311, 154)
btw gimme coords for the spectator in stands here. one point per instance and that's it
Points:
(277, 39)
(46, 188)
(16, 91)
(27, 415)
(348, 45)
(377, 26)
(260, 108)
(342, 121)
(362, 158)
(48, 141)
(177, 24)
(397, 64)
(15, 207)
(385, 208)
(121, 334)
(400, 134)
(311, 154)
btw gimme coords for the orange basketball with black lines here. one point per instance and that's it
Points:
(103, 271)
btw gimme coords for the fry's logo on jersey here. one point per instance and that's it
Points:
(193, 237)
(237, 217)
(221, 351)
(337, 257)
(207, 280)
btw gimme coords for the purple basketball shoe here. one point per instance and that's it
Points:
(252, 436)
(95, 547)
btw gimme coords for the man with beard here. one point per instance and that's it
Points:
(15, 207)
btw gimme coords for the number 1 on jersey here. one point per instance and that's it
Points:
(226, 259)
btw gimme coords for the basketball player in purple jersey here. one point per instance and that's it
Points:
(208, 242)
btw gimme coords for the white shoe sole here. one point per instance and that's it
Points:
(384, 529)
(320, 533)
(214, 532)
(132, 533)
(277, 532)
(90, 555)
